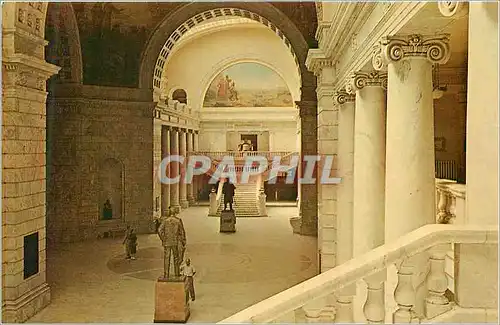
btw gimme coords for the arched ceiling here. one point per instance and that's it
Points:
(113, 35)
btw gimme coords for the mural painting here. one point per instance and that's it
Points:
(113, 35)
(248, 85)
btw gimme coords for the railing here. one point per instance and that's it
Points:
(371, 267)
(450, 202)
(450, 209)
(218, 155)
(446, 169)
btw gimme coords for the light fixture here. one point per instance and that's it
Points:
(437, 91)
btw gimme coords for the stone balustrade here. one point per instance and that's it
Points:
(300, 303)
(450, 202)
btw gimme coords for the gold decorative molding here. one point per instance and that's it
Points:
(395, 48)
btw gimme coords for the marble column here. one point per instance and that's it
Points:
(410, 159)
(327, 146)
(410, 177)
(190, 186)
(165, 188)
(174, 169)
(369, 160)
(198, 178)
(482, 161)
(345, 165)
(182, 185)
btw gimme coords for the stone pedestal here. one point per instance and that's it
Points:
(171, 303)
(227, 221)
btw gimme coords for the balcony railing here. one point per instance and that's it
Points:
(450, 202)
(372, 267)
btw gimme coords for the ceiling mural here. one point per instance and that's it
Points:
(248, 85)
(114, 34)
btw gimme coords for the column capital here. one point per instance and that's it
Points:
(395, 48)
(453, 8)
(341, 97)
(360, 79)
(316, 61)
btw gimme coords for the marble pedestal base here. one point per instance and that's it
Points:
(227, 221)
(171, 304)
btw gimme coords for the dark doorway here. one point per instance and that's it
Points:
(30, 255)
(252, 138)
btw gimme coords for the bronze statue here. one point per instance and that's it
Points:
(228, 191)
(173, 237)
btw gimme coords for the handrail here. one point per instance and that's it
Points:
(365, 265)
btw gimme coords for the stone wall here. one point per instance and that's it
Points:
(87, 127)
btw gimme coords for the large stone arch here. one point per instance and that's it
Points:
(61, 24)
(269, 12)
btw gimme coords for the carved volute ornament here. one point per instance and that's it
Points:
(452, 8)
(359, 80)
(342, 97)
(396, 48)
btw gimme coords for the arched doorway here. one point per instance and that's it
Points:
(111, 190)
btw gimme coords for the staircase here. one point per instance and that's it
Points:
(245, 202)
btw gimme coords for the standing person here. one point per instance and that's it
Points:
(228, 191)
(130, 243)
(188, 271)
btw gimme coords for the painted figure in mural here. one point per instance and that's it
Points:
(107, 211)
(233, 94)
(240, 146)
(246, 146)
(188, 272)
(130, 243)
(222, 88)
(228, 191)
(173, 237)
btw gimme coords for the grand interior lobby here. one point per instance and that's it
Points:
(402, 96)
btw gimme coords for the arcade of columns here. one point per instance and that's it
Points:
(380, 125)
(176, 141)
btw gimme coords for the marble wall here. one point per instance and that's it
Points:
(86, 128)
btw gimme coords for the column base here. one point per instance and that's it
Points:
(191, 200)
(302, 228)
(184, 204)
(26, 306)
(176, 208)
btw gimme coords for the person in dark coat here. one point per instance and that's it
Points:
(228, 191)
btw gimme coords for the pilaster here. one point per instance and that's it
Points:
(24, 292)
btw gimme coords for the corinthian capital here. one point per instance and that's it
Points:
(342, 97)
(359, 80)
(395, 48)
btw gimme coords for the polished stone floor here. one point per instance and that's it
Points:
(92, 282)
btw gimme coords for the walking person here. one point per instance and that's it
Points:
(130, 243)
(188, 271)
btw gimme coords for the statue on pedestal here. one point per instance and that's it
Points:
(173, 237)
